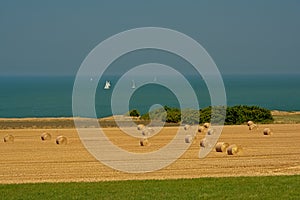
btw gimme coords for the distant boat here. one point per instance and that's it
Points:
(107, 85)
(133, 84)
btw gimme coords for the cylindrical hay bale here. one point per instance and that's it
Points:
(221, 146)
(210, 131)
(201, 129)
(8, 138)
(144, 142)
(187, 127)
(268, 131)
(206, 125)
(252, 126)
(188, 139)
(61, 140)
(46, 136)
(141, 127)
(233, 149)
(203, 143)
(249, 123)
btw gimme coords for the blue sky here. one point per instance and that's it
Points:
(53, 37)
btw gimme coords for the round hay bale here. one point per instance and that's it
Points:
(221, 146)
(141, 127)
(8, 138)
(201, 129)
(144, 142)
(187, 127)
(211, 131)
(249, 123)
(233, 149)
(252, 126)
(46, 136)
(203, 143)
(61, 140)
(268, 131)
(206, 125)
(188, 139)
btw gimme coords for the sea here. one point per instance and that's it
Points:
(51, 96)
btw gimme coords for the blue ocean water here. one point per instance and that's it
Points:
(52, 96)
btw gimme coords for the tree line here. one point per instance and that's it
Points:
(234, 115)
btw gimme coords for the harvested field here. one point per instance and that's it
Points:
(29, 159)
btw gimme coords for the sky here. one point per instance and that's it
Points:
(54, 37)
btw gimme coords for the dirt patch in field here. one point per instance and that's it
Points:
(29, 159)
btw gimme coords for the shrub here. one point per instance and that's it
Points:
(134, 113)
(234, 115)
(241, 114)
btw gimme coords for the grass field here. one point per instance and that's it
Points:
(273, 187)
(287, 119)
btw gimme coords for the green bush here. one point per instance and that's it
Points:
(134, 113)
(190, 116)
(237, 115)
(240, 114)
(234, 115)
(145, 116)
(157, 114)
(173, 114)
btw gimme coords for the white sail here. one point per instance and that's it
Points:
(107, 85)
(133, 84)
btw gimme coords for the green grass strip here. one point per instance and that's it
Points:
(287, 119)
(273, 187)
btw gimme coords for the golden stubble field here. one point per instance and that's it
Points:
(29, 159)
